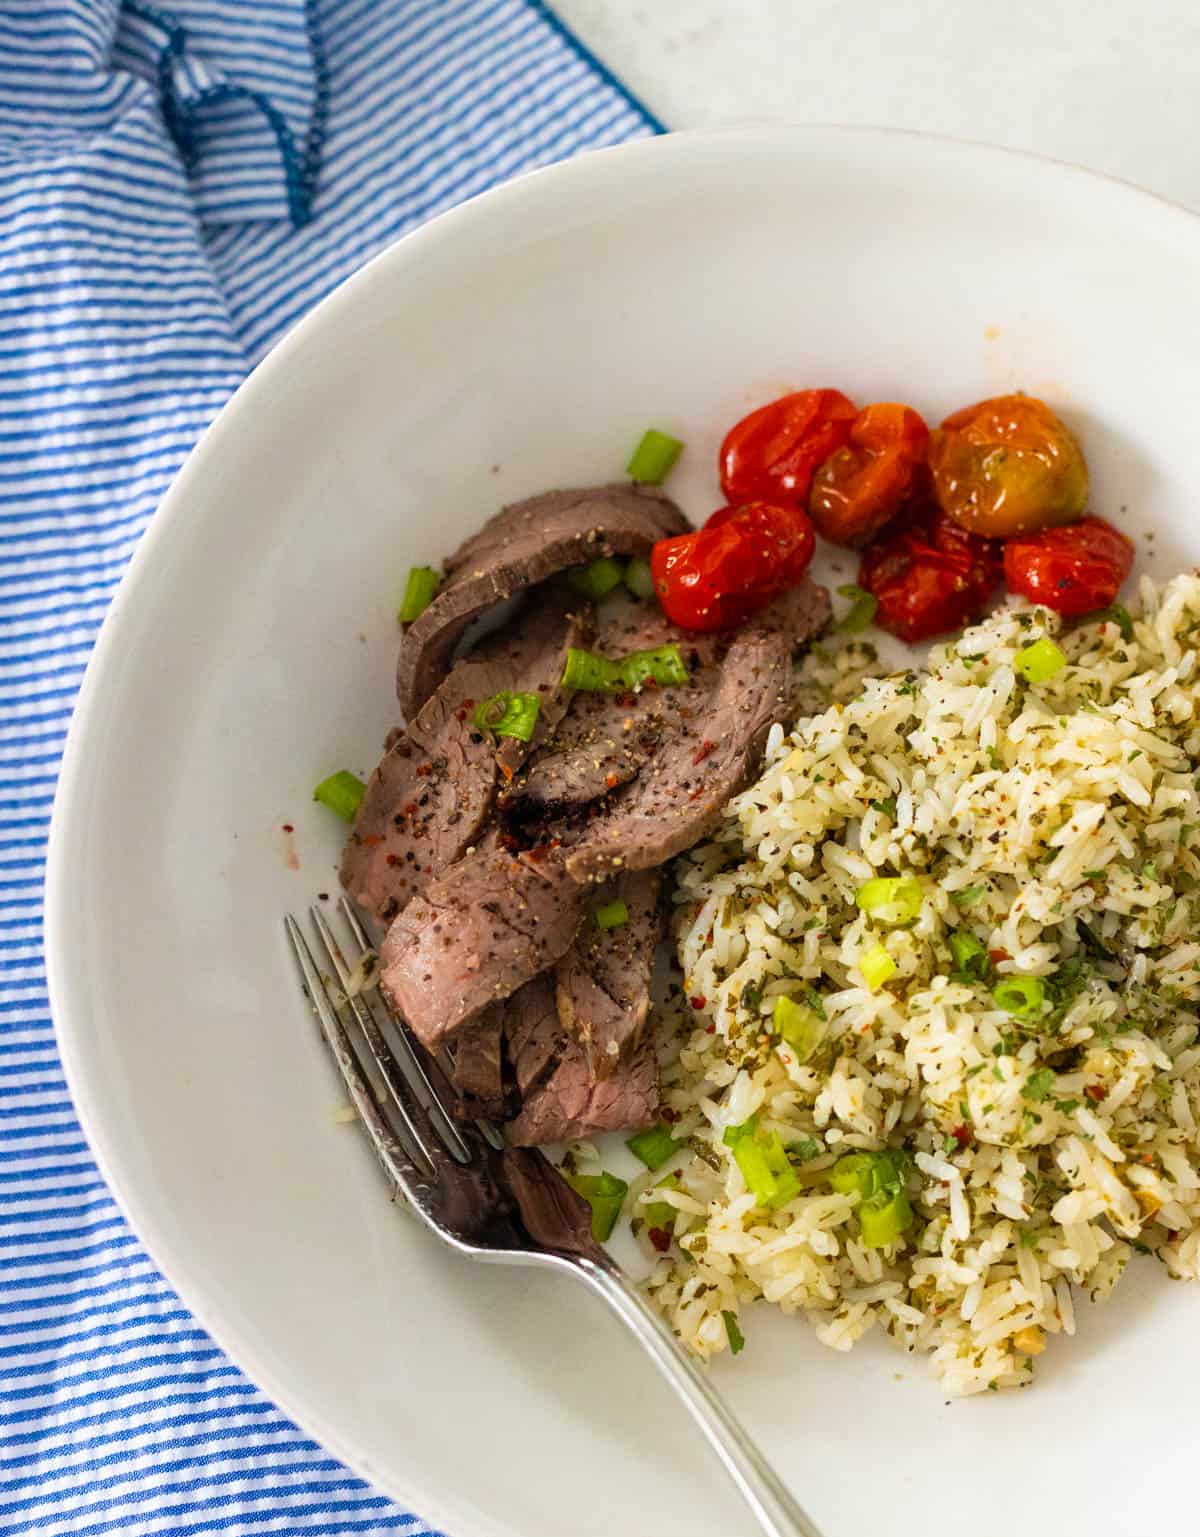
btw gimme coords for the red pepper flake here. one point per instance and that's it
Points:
(627, 701)
(1095, 1091)
(506, 771)
(370, 840)
(468, 704)
(996, 956)
(424, 768)
(699, 1001)
(393, 859)
(710, 1029)
(660, 1238)
(288, 828)
(706, 747)
(962, 1135)
(461, 712)
(410, 810)
(612, 780)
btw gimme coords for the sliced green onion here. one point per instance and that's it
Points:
(342, 793)
(653, 1147)
(884, 1217)
(876, 966)
(654, 458)
(596, 580)
(1116, 614)
(799, 1027)
(508, 714)
(732, 1135)
(1021, 997)
(853, 1175)
(592, 673)
(732, 1333)
(891, 899)
(1039, 662)
(665, 664)
(764, 1163)
(1038, 1085)
(638, 578)
(970, 955)
(423, 582)
(862, 610)
(612, 915)
(605, 1194)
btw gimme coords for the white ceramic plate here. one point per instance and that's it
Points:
(520, 342)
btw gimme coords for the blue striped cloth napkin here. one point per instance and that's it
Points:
(178, 183)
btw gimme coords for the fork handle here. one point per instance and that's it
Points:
(760, 1486)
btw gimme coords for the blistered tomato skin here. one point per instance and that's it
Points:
(929, 576)
(772, 454)
(865, 485)
(727, 571)
(1073, 570)
(1008, 466)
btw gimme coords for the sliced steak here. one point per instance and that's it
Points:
(524, 544)
(707, 758)
(480, 930)
(532, 1032)
(570, 1103)
(605, 739)
(431, 794)
(602, 984)
(478, 1070)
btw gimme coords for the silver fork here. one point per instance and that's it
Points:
(495, 1203)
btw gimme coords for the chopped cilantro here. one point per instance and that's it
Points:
(732, 1333)
(887, 807)
(969, 897)
(1038, 1085)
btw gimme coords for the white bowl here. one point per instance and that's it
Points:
(520, 342)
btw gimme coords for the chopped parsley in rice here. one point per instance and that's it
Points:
(939, 1073)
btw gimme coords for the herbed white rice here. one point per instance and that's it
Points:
(1058, 824)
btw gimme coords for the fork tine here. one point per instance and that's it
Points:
(397, 1158)
(381, 1053)
(410, 1062)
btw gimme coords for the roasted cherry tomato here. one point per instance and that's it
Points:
(929, 576)
(864, 485)
(1072, 570)
(771, 454)
(725, 572)
(1008, 466)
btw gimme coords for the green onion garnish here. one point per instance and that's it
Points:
(890, 899)
(605, 1194)
(596, 580)
(654, 458)
(638, 578)
(592, 673)
(764, 1163)
(1039, 662)
(612, 915)
(862, 610)
(508, 714)
(969, 896)
(970, 955)
(1116, 614)
(868, 1174)
(732, 1333)
(423, 582)
(884, 1217)
(876, 966)
(799, 1027)
(1038, 1085)
(732, 1135)
(342, 793)
(1022, 997)
(653, 1147)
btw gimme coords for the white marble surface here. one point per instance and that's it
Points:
(1110, 84)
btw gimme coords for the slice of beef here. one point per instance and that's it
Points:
(478, 1063)
(524, 544)
(481, 929)
(570, 1103)
(709, 757)
(602, 984)
(532, 1033)
(432, 792)
(605, 739)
